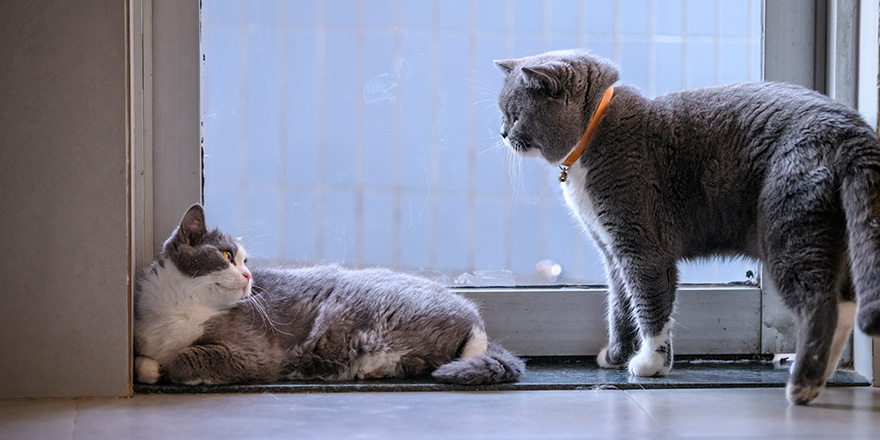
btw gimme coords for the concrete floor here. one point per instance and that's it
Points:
(754, 413)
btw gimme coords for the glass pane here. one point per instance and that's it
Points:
(367, 132)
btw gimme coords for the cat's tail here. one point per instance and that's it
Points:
(482, 362)
(860, 195)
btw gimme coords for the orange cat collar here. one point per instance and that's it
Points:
(591, 130)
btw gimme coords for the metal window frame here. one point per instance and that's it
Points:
(166, 174)
(165, 127)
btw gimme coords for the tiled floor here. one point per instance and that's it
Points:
(760, 413)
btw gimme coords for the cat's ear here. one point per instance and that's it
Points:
(506, 66)
(547, 77)
(192, 226)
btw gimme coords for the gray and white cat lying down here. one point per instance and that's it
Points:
(202, 317)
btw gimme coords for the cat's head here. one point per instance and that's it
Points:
(548, 99)
(210, 259)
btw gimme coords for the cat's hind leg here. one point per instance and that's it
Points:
(846, 313)
(815, 335)
(477, 343)
(804, 246)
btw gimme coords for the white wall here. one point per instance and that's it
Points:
(64, 242)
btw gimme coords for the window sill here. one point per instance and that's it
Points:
(549, 374)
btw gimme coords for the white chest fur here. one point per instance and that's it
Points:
(169, 315)
(578, 199)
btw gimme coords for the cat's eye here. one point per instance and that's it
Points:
(228, 256)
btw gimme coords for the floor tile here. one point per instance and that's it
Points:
(851, 413)
(502, 415)
(36, 419)
(756, 413)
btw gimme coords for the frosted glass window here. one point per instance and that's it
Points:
(366, 132)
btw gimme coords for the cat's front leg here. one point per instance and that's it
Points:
(205, 365)
(652, 289)
(622, 340)
(621, 326)
(655, 355)
(187, 367)
(147, 370)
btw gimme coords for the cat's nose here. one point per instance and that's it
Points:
(504, 134)
(247, 275)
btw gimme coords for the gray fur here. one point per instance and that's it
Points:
(770, 171)
(324, 322)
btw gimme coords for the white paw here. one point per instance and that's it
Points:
(147, 370)
(601, 359)
(648, 364)
(802, 395)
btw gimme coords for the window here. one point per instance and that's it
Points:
(367, 132)
(165, 179)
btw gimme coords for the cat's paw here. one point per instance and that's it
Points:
(179, 372)
(649, 364)
(605, 362)
(802, 395)
(147, 370)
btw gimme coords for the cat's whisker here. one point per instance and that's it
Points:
(263, 303)
(250, 240)
(483, 89)
(492, 134)
(515, 172)
(483, 80)
(483, 101)
(489, 108)
(490, 149)
(261, 308)
(259, 256)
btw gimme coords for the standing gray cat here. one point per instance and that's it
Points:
(197, 321)
(769, 171)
